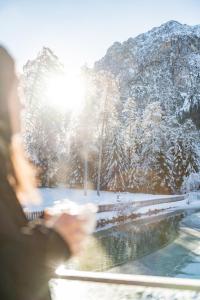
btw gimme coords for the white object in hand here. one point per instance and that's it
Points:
(86, 212)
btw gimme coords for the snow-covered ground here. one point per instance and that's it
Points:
(53, 196)
(50, 195)
(191, 200)
(190, 203)
(107, 219)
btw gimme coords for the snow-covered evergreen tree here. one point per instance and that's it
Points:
(44, 131)
(115, 167)
(162, 179)
(191, 183)
(130, 119)
(151, 141)
(75, 165)
(185, 152)
(106, 120)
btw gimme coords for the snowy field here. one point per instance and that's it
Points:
(50, 196)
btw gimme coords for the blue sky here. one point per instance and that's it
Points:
(81, 31)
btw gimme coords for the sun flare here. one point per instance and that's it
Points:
(65, 92)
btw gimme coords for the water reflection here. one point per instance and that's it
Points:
(179, 259)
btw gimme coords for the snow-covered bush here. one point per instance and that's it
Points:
(191, 183)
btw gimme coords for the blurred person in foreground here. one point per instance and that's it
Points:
(29, 252)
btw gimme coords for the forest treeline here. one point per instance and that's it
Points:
(112, 144)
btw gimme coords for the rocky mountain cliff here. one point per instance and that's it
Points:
(161, 65)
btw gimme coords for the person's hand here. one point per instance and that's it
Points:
(71, 228)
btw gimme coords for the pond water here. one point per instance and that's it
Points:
(179, 259)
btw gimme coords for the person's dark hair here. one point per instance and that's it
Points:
(6, 81)
(15, 173)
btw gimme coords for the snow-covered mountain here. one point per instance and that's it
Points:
(162, 65)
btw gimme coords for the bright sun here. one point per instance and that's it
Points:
(65, 92)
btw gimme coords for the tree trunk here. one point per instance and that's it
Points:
(101, 145)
